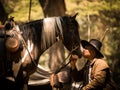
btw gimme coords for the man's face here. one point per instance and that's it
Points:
(88, 51)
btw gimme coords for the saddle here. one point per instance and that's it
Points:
(12, 43)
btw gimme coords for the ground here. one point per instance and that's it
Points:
(9, 85)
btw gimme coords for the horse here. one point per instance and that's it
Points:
(34, 38)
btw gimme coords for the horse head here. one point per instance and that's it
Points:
(71, 34)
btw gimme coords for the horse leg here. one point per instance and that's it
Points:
(26, 78)
(21, 80)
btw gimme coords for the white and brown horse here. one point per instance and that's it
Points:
(37, 36)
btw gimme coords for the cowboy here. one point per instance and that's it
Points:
(95, 74)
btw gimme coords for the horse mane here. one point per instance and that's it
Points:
(46, 30)
(51, 27)
(31, 30)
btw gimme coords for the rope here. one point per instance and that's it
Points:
(24, 43)
(30, 10)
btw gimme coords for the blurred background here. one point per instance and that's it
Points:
(98, 19)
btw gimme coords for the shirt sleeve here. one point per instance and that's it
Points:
(99, 76)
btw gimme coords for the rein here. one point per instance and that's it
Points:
(70, 53)
(63, 66)
(24, 43)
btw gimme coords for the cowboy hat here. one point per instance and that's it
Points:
(96, 44)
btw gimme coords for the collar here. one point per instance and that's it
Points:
(93, 61)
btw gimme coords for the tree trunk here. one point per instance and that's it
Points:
(3, 14)
(53, 7)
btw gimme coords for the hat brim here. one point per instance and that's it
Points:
(86, 43)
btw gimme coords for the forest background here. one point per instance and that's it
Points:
(98, 19)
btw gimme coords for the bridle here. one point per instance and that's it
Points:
(64, 65)
(69, 55)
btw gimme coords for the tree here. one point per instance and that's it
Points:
(53, 7)
(3, 14)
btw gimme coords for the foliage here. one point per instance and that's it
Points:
(95, 17)
(20, 10)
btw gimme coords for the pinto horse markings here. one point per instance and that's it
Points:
(37, 36)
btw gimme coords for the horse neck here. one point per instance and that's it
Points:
(44, 31)
(43, 50)
(51, 31)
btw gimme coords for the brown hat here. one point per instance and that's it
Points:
(96, 44)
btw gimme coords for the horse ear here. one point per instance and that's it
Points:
(74, 16)
(11, 18)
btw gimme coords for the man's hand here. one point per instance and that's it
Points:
(73, 60)
(54, 81)
(51, 80)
